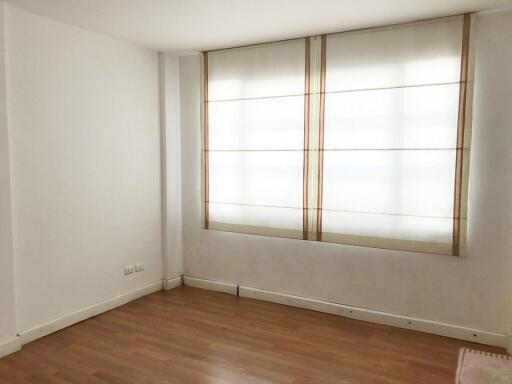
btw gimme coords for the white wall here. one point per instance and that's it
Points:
(83, 114)
(7, 312)
(491, 191)
(471, 291)
(171, 166)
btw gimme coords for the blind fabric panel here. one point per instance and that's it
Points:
(256, 138)
(259, 71)
(359, 138)
(400, 56)
(261, 124)
(391, 124)
(403, 182)
(399, 118)
(256, 178)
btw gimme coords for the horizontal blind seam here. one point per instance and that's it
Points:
(333, 92)
(331, 210)
(394, 87)
(335, 149)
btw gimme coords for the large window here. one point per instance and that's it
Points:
(358, 138)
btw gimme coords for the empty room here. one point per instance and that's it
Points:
(255, 191)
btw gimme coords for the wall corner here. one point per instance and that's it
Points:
(172, 257)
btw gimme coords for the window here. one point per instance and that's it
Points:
(358, 138)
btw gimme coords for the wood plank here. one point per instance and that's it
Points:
(189, 335)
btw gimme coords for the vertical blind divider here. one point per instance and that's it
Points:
(206, 178)
(305, 176)
(460, 135)
(323, 44)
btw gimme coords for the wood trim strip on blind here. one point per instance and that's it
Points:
(323, 46)
(305, 174)
(460, 135)
(206, 155)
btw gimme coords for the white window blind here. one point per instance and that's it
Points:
(359, 138)
(256, 138)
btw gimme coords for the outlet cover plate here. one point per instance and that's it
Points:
(139, 267)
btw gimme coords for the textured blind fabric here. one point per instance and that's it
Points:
(359, 138)
(391, 120)
(256, 138)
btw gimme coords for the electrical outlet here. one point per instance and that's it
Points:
(128, 269)
(139, 267)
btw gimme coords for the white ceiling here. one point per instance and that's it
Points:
(191, 25)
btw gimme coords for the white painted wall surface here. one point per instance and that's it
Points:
(7, 312)
(171, 177)
(84, 127)
(472, 291)
(491, 189)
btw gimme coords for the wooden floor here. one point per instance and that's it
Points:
(189, 335)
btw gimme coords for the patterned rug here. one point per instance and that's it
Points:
(477, 367)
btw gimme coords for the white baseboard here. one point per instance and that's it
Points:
(172, 283)
(11, 346)
(83, 314)
(436, 328)
(210, 285)
(427, 326)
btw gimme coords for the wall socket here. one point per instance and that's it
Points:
(139, 267)
(129, 269)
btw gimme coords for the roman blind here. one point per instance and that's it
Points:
(359, 138)
(255, 109)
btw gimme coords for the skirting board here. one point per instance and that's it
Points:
(210, 285)
(436, 328)
(172, 283)
(509, 344)
(9, 347)
(83, 314)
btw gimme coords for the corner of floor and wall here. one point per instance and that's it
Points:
(100, 170)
